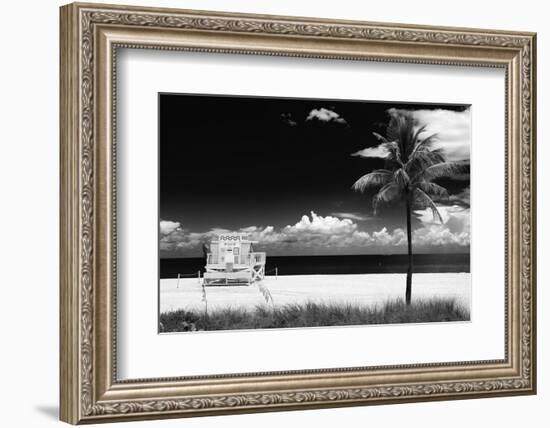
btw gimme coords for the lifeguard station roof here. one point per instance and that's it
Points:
(235, 237)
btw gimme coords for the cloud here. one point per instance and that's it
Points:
(320, 224)
(448, 213)
(325, 115)
(373, 152)
(453, 129)
(455, 229)
(166, 227)
(317, 234)
(287, 119)
(383, 237)
(175, 240)
(438, 236)
(353, 216)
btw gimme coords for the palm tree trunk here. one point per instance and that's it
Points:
(408, 290)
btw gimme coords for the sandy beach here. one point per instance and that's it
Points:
(364, 289)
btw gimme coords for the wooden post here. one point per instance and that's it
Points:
(276, 272)
(205, 300)
(199, 275)
(178, 285)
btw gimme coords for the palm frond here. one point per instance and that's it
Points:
(392, 164)
(421, 199)
(388, 193)
(433, 189)
(417, 134)
(402, 129)
(421, 160)
(391, 146)
(426, 144)
(380, 137)
(401, 178)
(373, 180)
(395, 124)
(395, 151)
(446, 169)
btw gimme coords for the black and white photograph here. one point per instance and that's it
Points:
(286, 213)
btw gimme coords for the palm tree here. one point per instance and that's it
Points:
(412, 163)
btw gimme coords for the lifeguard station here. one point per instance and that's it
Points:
(231, 260)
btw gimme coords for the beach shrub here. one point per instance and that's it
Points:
(313, 314)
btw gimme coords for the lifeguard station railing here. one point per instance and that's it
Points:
(256, 259)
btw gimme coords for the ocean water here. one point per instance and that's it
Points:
(326, 265)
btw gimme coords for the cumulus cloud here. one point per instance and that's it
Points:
(455, 229)
(453, 129)
(320, 224)
(166, 227)
(317, 234)
(325, 115)
(174, 239)
(373, 152)
(384, 238)
(438, 236)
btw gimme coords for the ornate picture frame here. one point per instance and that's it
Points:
(90, 37)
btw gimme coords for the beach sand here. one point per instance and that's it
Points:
(365, 289)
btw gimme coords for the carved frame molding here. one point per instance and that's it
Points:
(90, 35)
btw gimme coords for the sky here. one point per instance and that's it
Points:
(281, 171)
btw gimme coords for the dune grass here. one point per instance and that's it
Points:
(314, 315)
